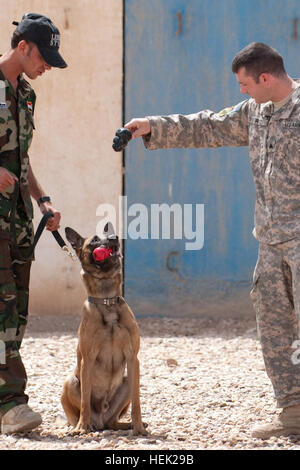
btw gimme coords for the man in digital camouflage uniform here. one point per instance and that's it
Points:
(269, 123)
(34, 49)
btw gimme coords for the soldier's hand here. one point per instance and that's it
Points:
(53, 222)
(138, 127)
(6, 179)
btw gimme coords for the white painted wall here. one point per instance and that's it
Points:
(77, 112)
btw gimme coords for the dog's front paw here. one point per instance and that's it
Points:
(82, 428)
(139, 429)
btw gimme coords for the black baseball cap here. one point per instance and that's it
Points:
(40, 30)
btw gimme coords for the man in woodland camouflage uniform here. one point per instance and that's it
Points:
(269, 123)
(34, 49)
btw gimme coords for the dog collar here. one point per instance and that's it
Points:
(107, 301)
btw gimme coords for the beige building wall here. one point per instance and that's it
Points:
(77, 112)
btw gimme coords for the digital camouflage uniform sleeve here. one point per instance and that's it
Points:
(227, 128)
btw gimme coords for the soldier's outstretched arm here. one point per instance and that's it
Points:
(227, 128)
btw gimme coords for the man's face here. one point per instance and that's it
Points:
(32, 62)
(259, 91)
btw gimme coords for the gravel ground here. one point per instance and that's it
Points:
(203, 386)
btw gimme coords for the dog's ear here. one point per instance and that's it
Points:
(109, 231)
(74, 238)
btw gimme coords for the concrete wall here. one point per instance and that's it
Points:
(77, 112)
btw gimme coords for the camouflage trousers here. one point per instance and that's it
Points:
(276, 299)
(14, 296)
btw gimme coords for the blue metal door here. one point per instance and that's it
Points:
(178, 60)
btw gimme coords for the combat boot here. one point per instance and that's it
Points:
(286, 424)
(20, 418)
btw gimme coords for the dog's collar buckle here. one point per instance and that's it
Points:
(106, 301)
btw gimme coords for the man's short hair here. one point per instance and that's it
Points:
(258, 58)
(16, 38)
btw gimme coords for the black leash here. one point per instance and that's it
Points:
(38, 232)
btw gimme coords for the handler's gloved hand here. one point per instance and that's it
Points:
(123, 136)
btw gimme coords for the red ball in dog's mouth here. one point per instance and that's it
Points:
(101, 253)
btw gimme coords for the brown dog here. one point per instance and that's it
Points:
(99, 393)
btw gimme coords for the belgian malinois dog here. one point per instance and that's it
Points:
(99, 392)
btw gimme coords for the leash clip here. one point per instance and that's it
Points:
(69, 252)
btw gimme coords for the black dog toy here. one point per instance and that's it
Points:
(123, 136)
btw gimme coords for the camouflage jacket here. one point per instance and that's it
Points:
(16, 129)
(274, 144)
